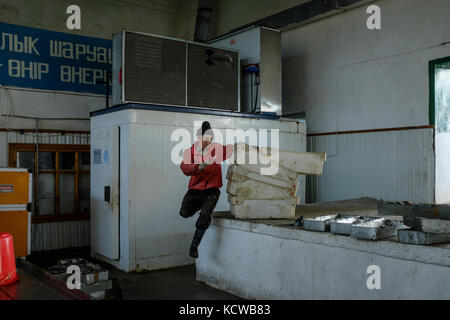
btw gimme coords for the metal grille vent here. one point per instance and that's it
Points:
(212, 80)
(155, 71)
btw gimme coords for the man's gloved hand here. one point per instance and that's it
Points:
(202, 166)
(239, 144)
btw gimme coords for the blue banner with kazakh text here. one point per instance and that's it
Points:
(49, 60)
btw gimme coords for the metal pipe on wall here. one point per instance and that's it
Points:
(36, 207)
(305, 12)
(203, 21)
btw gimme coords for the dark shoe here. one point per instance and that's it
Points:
(193, 252)
(198, 235)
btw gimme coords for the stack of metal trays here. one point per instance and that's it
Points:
(423, 238)
(425, 231)
(430, 223)
(360, 227)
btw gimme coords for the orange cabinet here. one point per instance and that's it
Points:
(15, 207)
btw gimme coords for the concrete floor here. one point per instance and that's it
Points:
(176, 283)
(28, 288)
(170, 284)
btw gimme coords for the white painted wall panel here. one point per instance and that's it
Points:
(347, 77)
(392, 165)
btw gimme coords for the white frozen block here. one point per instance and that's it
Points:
(263, 209)
(240, 174)
(282, 173)
(299, 162)
(252, 189)
(240, 199)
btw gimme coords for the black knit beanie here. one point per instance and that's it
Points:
(205, 127)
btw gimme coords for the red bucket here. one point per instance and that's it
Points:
(8, 271)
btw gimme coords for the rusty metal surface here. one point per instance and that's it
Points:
(422, 238)
(431, 211)
(427, 225)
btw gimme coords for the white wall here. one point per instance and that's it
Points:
(389, 165)
(48, 105)
(347, 77)
(102, 18)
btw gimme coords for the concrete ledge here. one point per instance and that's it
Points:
(270, 259)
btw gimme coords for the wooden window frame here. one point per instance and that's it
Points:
(431, 78)
(57, 148)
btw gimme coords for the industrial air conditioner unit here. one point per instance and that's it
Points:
(260, 55)
(164, 71)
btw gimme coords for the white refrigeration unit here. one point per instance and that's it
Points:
(137, 189)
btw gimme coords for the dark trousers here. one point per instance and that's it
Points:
(203, 200)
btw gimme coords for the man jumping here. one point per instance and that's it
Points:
(202, 162)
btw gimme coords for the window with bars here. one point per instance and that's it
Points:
(63, 179)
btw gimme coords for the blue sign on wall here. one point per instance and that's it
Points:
(41, 59)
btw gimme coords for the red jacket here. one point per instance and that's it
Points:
(211, 176)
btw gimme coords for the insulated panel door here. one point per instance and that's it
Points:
(16, 224)
(15, 201)
(14, 188)
(105, 151)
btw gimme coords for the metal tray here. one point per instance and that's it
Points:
(321, 223)
(375, 229)
(342, 224)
